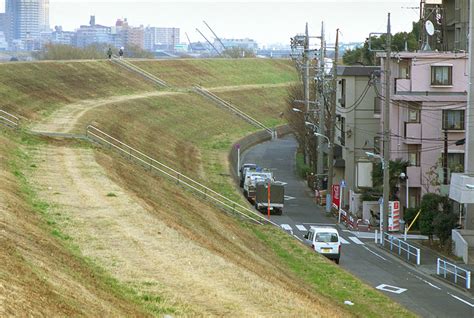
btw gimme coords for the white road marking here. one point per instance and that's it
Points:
(288, 198)
(298, 238)
(287, 227)
(346, 231)
(356, 240)
(343, 240)
(281, 182)
(302, 228)
(391, 289)
(321, 224)
(425, 281)
(378, 255)
(460, 299)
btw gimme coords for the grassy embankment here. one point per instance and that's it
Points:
(42, 272)
(195, 136)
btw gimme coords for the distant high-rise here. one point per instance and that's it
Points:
(44, 15)
(23, 19)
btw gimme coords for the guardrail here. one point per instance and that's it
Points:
(443, 268)
(204, 92)
(98, 135)
(9, 120)
(402, 247)
(134, 68)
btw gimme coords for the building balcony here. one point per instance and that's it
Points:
(402, 85)
(412, 133)
(414, 176)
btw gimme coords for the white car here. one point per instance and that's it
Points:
(326, 241)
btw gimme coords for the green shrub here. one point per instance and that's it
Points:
(301, 167)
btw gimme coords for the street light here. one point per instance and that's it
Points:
(470, 186)
(374, 155)
(324, 136)
(307, 123)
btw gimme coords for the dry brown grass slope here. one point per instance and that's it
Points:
(39, 276)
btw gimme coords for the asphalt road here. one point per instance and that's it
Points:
(420, 293)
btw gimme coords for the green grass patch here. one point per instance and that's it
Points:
(221, 72)
(111, 194)
(302, 169)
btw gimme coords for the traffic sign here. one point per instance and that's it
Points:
(343, 184)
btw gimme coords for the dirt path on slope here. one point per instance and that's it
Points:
(123, 235)
(65, 119)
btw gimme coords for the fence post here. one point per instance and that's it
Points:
(418, 256)
(444, 269)
(455, 274)
(400, 248)
(468, 280)
(376, 236)
(437, 266)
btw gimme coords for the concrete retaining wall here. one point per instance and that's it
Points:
(250, 141)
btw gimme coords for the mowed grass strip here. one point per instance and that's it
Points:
(221, 72)
(265, 104)
(34, 90)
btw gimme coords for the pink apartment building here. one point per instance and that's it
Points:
(428, 102)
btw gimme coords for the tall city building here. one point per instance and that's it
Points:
(161, 38)
(22, 19)
(44, 15)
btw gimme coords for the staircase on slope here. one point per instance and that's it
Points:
(135, 69)
(9, 120)
(219, 101)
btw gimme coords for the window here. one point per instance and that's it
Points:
(326, 237)
(342, 100)
(414, 155)
(453, 119)
(455, 162)
(377, 106)
(413, 113)
(441, 75)
(404, 69)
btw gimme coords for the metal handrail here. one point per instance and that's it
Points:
(9, 119)
(402, 246)
(234, 109)
(170, 172)
(139, 70)
(443, 265)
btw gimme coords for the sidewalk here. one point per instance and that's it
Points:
(428, 265)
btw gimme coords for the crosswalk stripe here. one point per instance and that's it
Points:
(356, 240)
(302, 228)
(343, 241)
(286, 227)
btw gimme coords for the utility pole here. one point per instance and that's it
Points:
(322, 109)
(469, 153)
(445, 158)
(332, 126)
(306, 69)
(386, 131)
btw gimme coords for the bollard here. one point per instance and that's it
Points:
(468, 280)
(376, 236)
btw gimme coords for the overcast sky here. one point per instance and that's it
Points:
(265, 21)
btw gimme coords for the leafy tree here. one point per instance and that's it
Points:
(238, 52)
(136, 52)
(395, 168)
(443, 223)
(364, 56)
(433, 205)
(68, 52)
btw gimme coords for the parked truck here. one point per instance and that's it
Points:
(251, 179)
(243, 170)
(277, 197)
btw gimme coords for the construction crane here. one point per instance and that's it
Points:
(219, 53)
(217, 38)
(190, 44)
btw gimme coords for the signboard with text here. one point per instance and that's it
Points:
(336, 200)
(394, 216)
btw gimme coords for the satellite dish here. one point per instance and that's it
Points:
(429, 27)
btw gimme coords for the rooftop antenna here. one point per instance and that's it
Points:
(430, 30)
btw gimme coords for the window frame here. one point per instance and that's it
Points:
(445, 118)
(433, 75)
